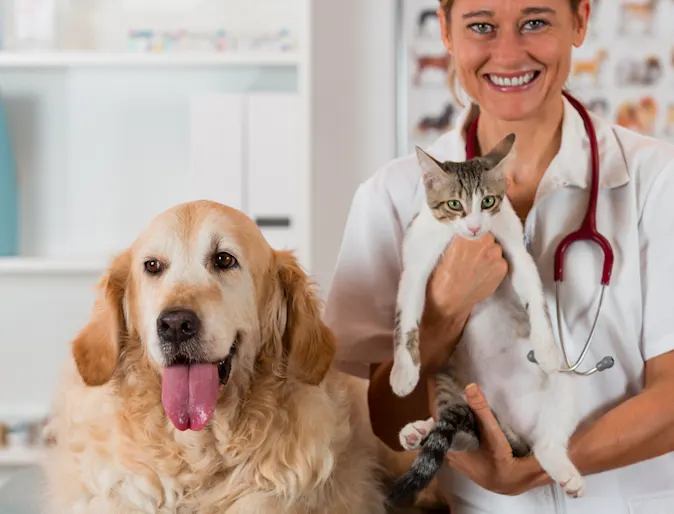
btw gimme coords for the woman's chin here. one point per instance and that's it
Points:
(514, 109)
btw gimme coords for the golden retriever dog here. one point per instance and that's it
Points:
(202, 383)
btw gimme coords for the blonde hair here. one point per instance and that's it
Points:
(452, 79)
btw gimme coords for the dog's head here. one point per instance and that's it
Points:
(200, 295)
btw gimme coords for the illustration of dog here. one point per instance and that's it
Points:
(638, 116)
(640, 12)
(439, 123)
(590, 66)
(424, 62)
(669, 120)
(424, 17)
(598, 106)
(639, 72)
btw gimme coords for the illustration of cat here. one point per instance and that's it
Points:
(532, 400)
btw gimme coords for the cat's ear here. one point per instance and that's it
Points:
(431, 170)
(501, 154)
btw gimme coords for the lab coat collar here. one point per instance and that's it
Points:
(571, 165)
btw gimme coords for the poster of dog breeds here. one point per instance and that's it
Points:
(623, 72)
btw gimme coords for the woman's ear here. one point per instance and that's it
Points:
(96, 347)
(444, 28)
(581, 22)
(309, 344)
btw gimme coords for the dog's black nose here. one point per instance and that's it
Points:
(177, 326)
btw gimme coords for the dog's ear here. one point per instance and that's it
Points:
(96, 347)
(308, 342)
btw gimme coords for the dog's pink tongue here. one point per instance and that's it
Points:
(189, 393)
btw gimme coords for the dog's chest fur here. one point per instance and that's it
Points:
(253, 455)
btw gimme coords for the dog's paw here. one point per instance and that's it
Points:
(412, 434)
(574, 487)
(404, 374)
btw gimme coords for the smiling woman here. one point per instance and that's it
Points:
(512, 58)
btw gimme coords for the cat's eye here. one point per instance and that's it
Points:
(455, 205)
(488, 202)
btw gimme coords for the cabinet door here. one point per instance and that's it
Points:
(275, 187)
(216, 155)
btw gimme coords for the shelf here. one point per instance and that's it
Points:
(20, 456)
(37, 265)
(92, 59)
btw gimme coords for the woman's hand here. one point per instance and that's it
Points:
(468, 272)
(492, 466)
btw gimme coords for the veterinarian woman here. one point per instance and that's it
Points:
(513, 58)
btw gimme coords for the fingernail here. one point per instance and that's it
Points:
(471, 389)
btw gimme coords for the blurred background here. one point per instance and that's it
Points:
(113, 110)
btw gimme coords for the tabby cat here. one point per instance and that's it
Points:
(529, 395)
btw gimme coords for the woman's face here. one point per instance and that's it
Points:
(513, 56)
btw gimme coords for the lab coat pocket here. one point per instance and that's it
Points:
(662, 503)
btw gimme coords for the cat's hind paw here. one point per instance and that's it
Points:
(412, 435)
(574, 487)
(404, 374)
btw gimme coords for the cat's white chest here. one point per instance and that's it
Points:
(492, 355)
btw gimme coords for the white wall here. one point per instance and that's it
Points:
(354, 112)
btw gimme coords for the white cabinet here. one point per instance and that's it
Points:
(105, 140)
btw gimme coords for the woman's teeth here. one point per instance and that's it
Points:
(512, 81)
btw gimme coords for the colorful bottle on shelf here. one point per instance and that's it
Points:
(9, 193)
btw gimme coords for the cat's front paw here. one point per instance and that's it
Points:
(404, 374)
(413, 434)
(574, 487)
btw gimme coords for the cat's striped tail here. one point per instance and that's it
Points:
(451, 421)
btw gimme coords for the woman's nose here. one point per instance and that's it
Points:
(508, 49)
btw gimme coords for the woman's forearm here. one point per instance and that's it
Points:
(639, 429)
(389, 413)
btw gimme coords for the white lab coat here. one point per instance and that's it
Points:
(635, 213)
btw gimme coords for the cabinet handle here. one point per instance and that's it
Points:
(275, 222)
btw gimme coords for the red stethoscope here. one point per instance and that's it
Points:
(586, 232)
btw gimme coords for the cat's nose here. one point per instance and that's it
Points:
(474, 228)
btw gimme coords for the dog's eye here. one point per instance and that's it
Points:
(153, 266)
(224, 260)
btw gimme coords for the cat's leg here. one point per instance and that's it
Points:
(406, 359)
(556, 423)
(413, 434)
(528, 285)
(420, 261)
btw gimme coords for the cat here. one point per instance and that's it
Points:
(531, 398)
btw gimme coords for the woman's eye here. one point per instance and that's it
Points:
(534, 24)
(481, 28)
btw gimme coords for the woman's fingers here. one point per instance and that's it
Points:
(431, 398)
(491, 429)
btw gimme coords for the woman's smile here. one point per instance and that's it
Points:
(512, 82)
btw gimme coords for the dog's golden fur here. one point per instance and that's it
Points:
(288, 433)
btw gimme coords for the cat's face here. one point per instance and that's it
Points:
(467, 194)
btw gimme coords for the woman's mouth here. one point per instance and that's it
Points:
(511, 83)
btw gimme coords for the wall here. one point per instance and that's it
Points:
(354, 112)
